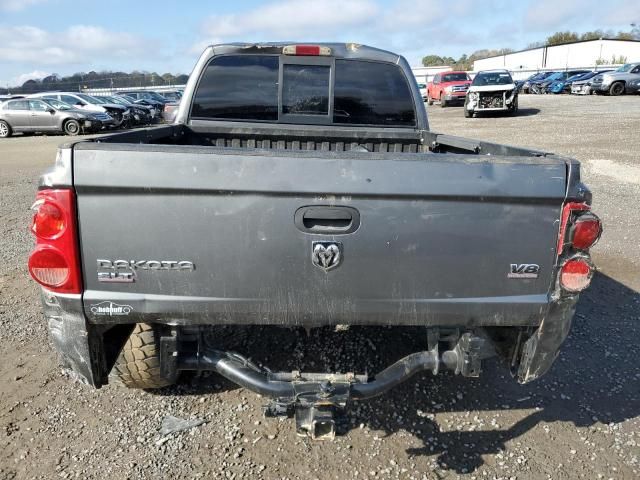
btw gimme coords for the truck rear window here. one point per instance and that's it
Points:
(245, 87)
(372, 93)
(239, 87)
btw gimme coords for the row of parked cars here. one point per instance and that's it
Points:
(495, 90)
(623, 80)
(73, 113)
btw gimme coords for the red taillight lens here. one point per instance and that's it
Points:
(586, 231)
(54, 263)
(48, 219)
(48, 267)
(575, 275)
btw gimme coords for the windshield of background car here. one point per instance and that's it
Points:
(577, 76)
(157, 96)
(87, 98)
(57, 104)
(245, 87)
(555, 76)
(626, 67)
(455, 77)
(492, 78)
(119, 100)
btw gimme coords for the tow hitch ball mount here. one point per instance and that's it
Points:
(316, 405)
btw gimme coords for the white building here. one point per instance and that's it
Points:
(425, 74)
(583, 54)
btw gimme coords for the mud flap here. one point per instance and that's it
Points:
(541, 350)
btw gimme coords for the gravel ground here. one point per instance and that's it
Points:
(579, 421)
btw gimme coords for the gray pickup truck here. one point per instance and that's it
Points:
(300, 186)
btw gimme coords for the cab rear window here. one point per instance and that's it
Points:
(238, 87)
(354, 92)
(372, 93)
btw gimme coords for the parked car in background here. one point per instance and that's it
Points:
(448, 88)
(146, 113)
(633, 86)
(169, 112)
(423, 90)
(542, 86)
(157, 106)
(10, 97)
(491, 91)
(47, 116)
(147, 95)
(86, 102)
(582, 86)
(136, 114)
(172, 95)
(616, 82)
(564, 86)
(526, 85)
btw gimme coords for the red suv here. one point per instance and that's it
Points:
(448, 87)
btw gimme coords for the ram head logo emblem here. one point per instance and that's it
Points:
(326, 255)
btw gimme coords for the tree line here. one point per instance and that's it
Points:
(105, 79)
(465, 62)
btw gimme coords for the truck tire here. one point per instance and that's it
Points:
(467, 113)
(429, 100)
(616, 89)
(138, 365)
(5, 129)
(514, 108)
(443, 102)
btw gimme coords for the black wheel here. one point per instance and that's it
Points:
(429, 100)
(5, 129)
(467, 113)
(616, 89)
(72, 127)
(138, 365)
(443, 102)
(514, 108)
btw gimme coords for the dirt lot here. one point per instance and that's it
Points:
(580, 421)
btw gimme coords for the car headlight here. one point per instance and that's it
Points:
(448, 89)
(473, 95)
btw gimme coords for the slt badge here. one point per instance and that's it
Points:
(326, 255)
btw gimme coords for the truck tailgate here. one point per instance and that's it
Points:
(436, 240)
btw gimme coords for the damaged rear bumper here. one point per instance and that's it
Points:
(541, 349)
(82, 346)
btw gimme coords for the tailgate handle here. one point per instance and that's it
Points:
(330, 220)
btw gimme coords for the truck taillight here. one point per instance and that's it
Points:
(306, 50)
(586, 231)
(54, 262)
(575, 274)
(579, 228)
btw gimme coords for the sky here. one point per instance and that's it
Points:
(40, 37)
